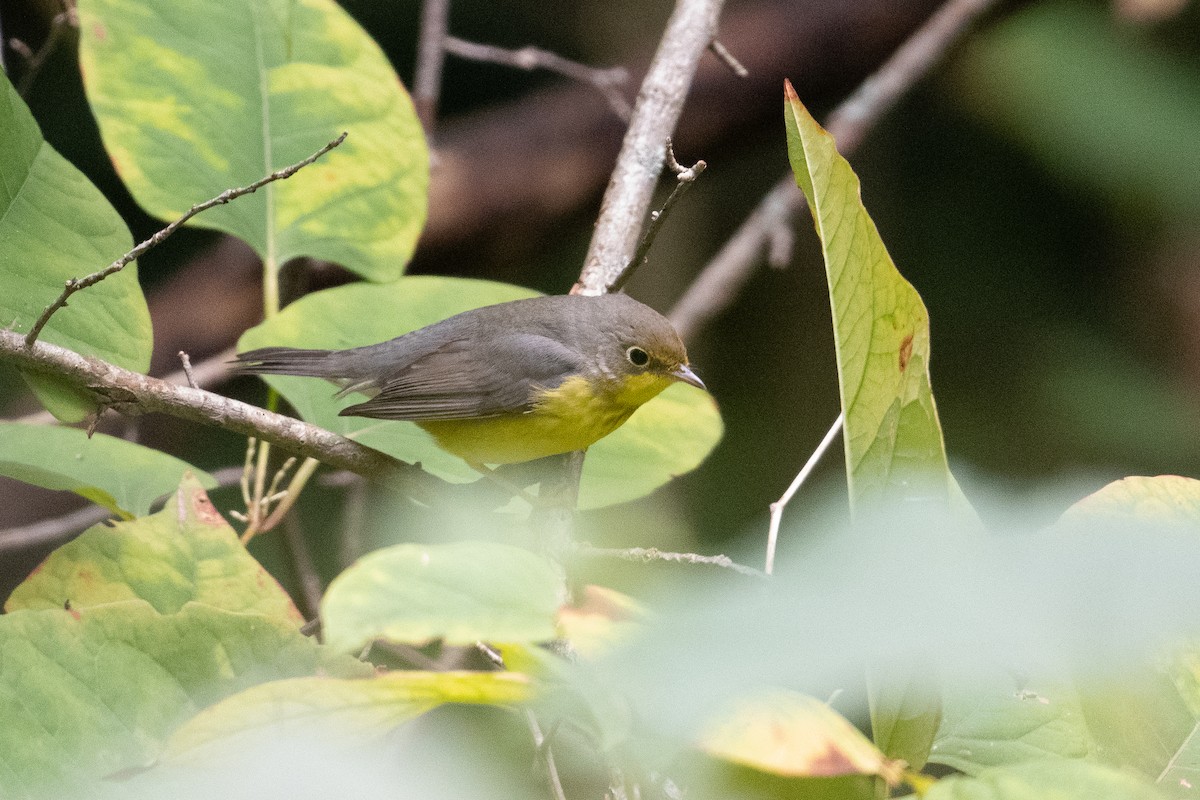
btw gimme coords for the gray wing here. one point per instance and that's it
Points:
(467, 378)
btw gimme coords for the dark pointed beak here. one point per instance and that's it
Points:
(684, 373)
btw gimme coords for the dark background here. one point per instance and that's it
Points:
(1041, 190)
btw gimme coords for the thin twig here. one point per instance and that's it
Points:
(76, 284)
(290, 496)
(778, 506)
(723, 277)
(646, 555)
(692, 26)
(606, 80)
(186, 360)
(685, 177)
(725, 57)
(543, 748)
(302, 565)
(129, 391)
(60, 23)
(431, 55)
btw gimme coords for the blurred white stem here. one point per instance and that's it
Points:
(778, 506)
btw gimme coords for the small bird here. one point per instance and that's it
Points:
(510, 382)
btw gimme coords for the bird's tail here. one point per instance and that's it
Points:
(288, 361)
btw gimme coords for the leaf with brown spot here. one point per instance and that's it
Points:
(791, 734)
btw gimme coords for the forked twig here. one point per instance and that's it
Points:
(78, 284)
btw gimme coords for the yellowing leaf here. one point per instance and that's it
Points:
(791, 734)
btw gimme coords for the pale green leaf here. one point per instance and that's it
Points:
(55, 225)
(670, 435)
(893, 441)
(1045, 780)
(359, 709)
(122, 476)
(194, 98)
(1002, 719)
(184, 553)
(460, 593)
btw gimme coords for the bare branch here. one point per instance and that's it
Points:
(186, 360)
(692, 26)
(302, 566)
(431, 55)
(129, 391)
(607, 81)
(645, 555)
(685, 177)
(77, 284)
(722, 278)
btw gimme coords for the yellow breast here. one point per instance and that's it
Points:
(573, 416)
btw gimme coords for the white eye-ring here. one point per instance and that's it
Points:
(637, 356)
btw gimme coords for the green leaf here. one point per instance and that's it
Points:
(460, 593)
(185, 553)
(893, 441)
(84, 694)
(895, 456)
(358, 709)
(1045, 780)
(1001, 720)
(670, 435)
(55, 225)
(194, 98)
(122, 476)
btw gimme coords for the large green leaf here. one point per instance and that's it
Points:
(194, 98)
(55, 225)
(358, 709)
(185, 553)
(84, 694)
(460, 593)
(1002, 719)
(895, 456)
(122, 476)
(668, 436)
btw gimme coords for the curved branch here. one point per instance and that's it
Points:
(124, 390)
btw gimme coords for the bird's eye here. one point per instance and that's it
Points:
(637, 356)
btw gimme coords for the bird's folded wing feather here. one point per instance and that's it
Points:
(470, 378)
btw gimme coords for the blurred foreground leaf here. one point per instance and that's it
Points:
(361, 709)
(194, 98)
(460, 593)
(1060, 780)
(55, 225)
